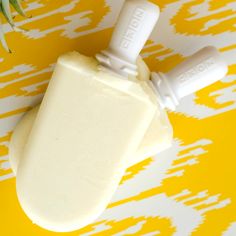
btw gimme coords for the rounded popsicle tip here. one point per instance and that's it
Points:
(200, 70)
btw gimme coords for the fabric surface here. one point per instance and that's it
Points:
(189, 189)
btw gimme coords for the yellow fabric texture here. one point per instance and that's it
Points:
(189, 189)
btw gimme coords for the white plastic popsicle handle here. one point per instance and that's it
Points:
(135, 24)
(203, 68)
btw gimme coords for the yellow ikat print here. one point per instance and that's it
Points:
(189, 189)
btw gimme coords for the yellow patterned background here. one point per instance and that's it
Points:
(189, 189)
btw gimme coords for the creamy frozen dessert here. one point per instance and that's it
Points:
(98, 117)
(84, 132)
(158, 136)
(206, 66)
(92, 119)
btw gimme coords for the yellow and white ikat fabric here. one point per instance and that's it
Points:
(189, 189)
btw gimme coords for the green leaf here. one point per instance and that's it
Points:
(17, 5)
(3, 40)
(5, 7)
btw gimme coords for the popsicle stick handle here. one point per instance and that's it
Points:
(135, 24)
(203, 68)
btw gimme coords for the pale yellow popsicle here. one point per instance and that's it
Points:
(91, 121)
(158, 136)
(88, 125)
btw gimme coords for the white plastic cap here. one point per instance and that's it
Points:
(135, 24)
(203, 68)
